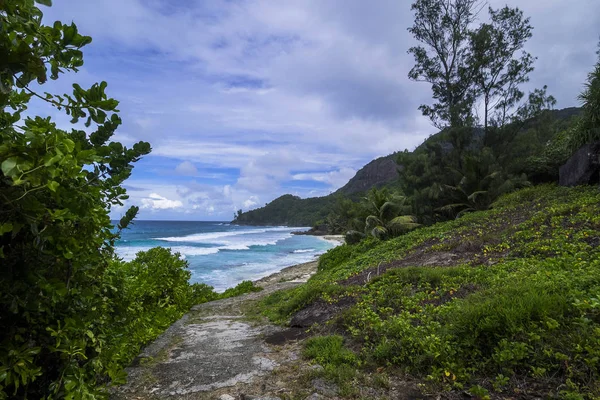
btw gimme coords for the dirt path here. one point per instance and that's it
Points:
(216, 351)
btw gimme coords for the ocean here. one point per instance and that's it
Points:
(223, 255)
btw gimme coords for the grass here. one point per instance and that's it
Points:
(521, 314)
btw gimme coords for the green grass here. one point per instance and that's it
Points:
(529, 319)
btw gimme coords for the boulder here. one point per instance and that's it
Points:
(583, 167)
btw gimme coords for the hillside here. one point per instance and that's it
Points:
(497, 304)
(377, 173)
(293, 211)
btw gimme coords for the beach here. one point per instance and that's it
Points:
(298, 273)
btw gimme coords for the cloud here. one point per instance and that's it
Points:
(157, 202)
(251, 202)
(335, 179)
(186, 168)
(248, 100)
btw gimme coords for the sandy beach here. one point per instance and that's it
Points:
(299, 273)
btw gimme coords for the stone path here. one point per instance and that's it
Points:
(222, 350)
(213, 351)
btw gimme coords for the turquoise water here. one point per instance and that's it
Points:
(223, 255)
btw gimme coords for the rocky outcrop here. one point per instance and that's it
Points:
(375, 174)
(583, 167)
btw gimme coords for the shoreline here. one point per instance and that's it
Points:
(298, 273)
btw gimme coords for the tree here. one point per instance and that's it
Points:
(497, 72)
(56, 190)
(478, 184)
(388, 214)
(590, 98)
(465, 63)
(443, 27)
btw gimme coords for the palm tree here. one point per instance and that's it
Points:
(590, 97)
(480, 182)
(389, 214)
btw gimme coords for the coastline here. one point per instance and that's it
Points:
(299, 273)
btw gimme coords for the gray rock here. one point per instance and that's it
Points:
(583, 167)
(320, 312)
(316, 367)
(226, 397)
(376, 173)
(316, 396)
(249, 397)
(325, 388)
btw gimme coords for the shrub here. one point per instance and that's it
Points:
(242, 288)
(329, 350)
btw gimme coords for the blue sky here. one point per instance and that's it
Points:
(244, 101)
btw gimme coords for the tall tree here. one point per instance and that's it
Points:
(497, 69)
(443, 29)
(56, 190)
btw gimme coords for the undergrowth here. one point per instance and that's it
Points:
(522, 317)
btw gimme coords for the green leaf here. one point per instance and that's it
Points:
(53, 185)
(47, 3)
(69, 34)
(5, 228)
(9, 166)
(69, 145)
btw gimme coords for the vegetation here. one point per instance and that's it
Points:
(461, 325)
(73, 315)
(288, 210)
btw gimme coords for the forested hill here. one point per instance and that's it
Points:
(528, 143)
(293, 211)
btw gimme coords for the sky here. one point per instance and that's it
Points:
(246, 100)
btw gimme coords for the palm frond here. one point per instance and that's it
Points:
(379, 232)
(371, 222)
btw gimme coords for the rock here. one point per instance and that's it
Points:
(249, 397)
(226, 397)
(319, 312)
(316, 396)
(325, 388)
(583, 167)
(316, 367)
(376, 173)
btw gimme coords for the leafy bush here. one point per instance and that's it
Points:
(354, 237)
(329, 350)
(242, 288)
(339, 254)
(72, 314)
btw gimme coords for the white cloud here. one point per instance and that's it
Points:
(186, 168)
(251, 202)
(336, 179)
(157, 202)
(275, 91)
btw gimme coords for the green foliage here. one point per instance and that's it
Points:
(497, 73)
(142, 298)
(442, 29)
(530, 316)
(288, 210)
(589, 129)
(482, 181)
(242, 288)
(328, 350)
(339, 364)
(73, 316)
(385, 220)
(339, 254)
(354, 237)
